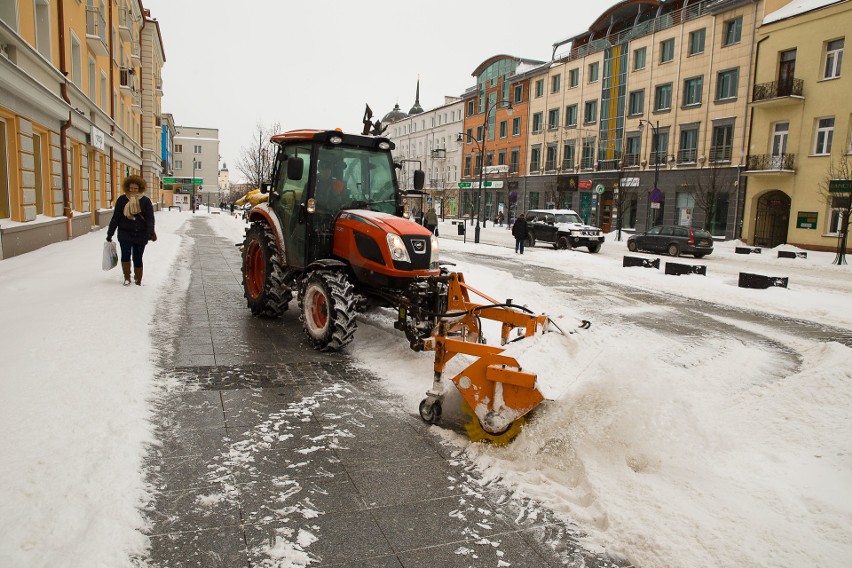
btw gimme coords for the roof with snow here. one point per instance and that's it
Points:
(796, 8)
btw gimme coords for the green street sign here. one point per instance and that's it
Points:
(839, 185)
(464, 184)
(197, 181)
(170, 180)
(486, 184)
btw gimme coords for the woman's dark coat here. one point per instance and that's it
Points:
(519, 229)
(137, 230)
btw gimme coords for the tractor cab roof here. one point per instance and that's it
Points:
(334, 137)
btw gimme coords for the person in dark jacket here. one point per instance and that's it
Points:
(519, 231)
(133, 216)
(430, 221)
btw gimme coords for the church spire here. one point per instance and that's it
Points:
(416, 109)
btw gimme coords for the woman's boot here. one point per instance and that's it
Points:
(125, 266)
(137, 273)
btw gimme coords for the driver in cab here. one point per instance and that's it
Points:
(331, 191)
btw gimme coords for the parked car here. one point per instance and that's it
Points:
(563, 228)
(673, 240)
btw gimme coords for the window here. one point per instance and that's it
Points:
(722, 142)
(824, 135)
(568, 156)
(514, 159)
(692, 91)
(550, 158)
(504, 128)
(587, 162)
(590, 112)
(663, 97)
(196, 149)
(479, 133)
(501, 157)
(555, 83)
(470, 108)
(103, 98)
(833, 59)
(76, 61)
(467, 166)
(178, 148)
(639, 59)
(535, 158)
(726, 84)
(539, 88)
(837, 214)
(632, 150)
(733, 31)
(593, 71)
(516, 126)
(197, 165)
(537, 122)
(696, 41)
(519, 93)
(688, 144)
(93, 79)
(42, 28)
(636, 103)
(659, 146)
(573, 77)
(667, 50)
(553, 119)
(571, 115)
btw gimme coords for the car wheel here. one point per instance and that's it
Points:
(698, 255)
(563, 242)
(631, 246)
(593, 248)
(673, 250)
(530, 240)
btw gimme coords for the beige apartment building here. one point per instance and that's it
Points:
(79, 104)
(653, 96)
(801, 125)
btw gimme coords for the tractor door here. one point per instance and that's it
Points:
(290, 203)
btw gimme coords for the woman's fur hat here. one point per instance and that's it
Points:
(133, 179)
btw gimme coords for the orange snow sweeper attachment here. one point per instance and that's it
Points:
(497, 392)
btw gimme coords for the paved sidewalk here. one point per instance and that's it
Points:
(275, 455)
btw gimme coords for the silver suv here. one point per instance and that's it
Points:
(563, 228)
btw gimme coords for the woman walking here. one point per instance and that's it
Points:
(134, 218)
(519, 231)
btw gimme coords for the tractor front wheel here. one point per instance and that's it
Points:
(328, 303)
(263, 273)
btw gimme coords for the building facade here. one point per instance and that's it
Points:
(653, 96)
(71, 115)
(428, 140)
(802, 126)
(196, 156)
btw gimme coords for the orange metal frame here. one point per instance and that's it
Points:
(480, 382)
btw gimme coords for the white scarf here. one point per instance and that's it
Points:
(132, 208)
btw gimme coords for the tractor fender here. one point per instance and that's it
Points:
(327, 264)
(262, 212)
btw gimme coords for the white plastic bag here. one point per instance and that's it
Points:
(110, 256)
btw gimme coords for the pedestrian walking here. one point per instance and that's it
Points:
(500, 218)
(232, 207)
(133, 217)
(431, 221)
(519, 231)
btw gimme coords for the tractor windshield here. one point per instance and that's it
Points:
(354, 178)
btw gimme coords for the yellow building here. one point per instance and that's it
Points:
(801, 124)
(652, 95)
(72, 124)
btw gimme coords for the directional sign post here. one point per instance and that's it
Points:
(840, 186)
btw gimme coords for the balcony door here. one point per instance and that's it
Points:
(779, 145)
(786, 72)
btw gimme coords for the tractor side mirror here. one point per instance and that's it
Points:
(419, 179)
(264, 187)
(295, 168)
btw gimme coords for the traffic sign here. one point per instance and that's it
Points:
(656, 195)
(464, 184)
(839, 185)
(599, 188)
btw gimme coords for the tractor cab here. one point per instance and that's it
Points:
(318, 174)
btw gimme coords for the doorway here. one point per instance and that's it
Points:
(773, 219)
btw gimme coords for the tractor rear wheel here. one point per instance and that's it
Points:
(263, 273)
(328, 303)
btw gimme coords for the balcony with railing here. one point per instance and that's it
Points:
(631, 160)
(96, 31)
(587, 163)
(720, 154)
(657, 158)
(609, 165)
(125, 23)
(759, 164)
(778, 93)
(136, 54)
(568, 165)
(687, 155)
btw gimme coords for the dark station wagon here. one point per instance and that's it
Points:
(673, 240)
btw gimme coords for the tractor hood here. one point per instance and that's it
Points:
(386, 222)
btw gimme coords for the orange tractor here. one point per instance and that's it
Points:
(334, 232)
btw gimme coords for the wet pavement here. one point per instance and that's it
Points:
(272, 454)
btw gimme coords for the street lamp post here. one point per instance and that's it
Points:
(192, 197)
(642, 123)
(479, 189)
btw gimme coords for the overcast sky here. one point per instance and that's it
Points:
(315, 64)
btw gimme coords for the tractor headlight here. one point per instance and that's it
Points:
(435, 255)
(397, 248)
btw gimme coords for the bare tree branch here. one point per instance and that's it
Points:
(256, 159)
(712, 183)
